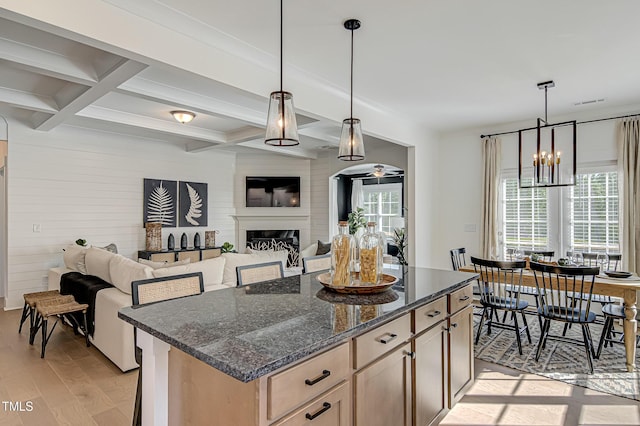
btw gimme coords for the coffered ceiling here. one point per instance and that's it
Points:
(420, 66)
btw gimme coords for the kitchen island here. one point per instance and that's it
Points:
(283, 350)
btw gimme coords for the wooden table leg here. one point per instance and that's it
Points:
(630, 328)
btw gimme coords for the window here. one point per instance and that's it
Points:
(525, 216)
(594, 213)
(381, 204)
(583, 217)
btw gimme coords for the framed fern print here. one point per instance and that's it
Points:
(160, 202)
(192, 209)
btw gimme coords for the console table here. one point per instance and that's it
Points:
(195, 254)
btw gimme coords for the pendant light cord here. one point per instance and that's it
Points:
(281, 43)
(351, 111)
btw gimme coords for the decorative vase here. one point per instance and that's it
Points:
(196, 240)
(153, 241)
(171, 243)
(183, 241)
(342, 249)
(210, 238)
(370, 251)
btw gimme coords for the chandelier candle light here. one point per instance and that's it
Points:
(282, 128)
(546, 171)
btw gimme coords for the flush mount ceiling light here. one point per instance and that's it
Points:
(183, 116)
(549, 158)
(351, 144)
(282, 129)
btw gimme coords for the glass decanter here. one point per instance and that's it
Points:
(371, 248)
(342, 247)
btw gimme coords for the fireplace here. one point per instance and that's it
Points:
(287, 239)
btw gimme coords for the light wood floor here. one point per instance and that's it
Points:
(502, 396)
(76, 385)
(72, 385)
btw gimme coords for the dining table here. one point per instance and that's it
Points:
(624, 288)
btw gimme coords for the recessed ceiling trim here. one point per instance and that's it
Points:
(30, 101)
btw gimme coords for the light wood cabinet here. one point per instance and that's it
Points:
(380, 340)
(431, 375)
(330, 409)
(460, 353)
(382, 391)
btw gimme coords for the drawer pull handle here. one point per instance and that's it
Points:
(391, 337)
(434, 314)
(462, 299)
(324, 375)
(325, 406)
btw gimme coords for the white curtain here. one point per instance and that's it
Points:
(357, 197)
(491, 158)
(628, 138)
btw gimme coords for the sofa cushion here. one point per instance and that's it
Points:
(233, 260)
(156, 265)
(307, 252)
(124, 270)
(212, 270)
(97, 262)
(74, 256)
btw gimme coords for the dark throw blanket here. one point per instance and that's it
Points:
(84, 289)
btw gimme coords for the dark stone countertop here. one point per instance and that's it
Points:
(247, 332)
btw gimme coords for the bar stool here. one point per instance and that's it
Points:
(29, 309)
(57, 307)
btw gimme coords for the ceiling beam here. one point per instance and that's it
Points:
(74, 99)
(49, 63)
(30, 101)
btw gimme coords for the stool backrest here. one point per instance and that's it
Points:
(166, 288)
(250, 274)
(320, 262)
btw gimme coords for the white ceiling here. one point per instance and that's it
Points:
(430, 65)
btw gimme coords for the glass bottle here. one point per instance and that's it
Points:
(342, 247)
(371, 247)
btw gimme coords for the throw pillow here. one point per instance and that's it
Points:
(111, 247)
(124, 270)
(212, 270)
(97, 261)
(73, 258)
(323, 248)
(157, 265)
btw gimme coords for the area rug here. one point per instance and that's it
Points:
(560, 360)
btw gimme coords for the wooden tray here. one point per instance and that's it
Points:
(386, 282)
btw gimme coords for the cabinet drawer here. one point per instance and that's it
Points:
(460, 298)
(211, 253)
(429, 314)
(290, 388)
(163, 257)
(330, 409)
(193, 255)
(376, 342)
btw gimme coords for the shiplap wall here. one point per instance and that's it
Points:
(77, 183)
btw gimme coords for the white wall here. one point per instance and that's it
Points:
(76, 183)
(460, 156)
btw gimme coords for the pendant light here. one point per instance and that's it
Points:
(282, 129)
(351, 143)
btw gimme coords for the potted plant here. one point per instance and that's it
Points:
(227, 247)
(400, 241)
(356, 220)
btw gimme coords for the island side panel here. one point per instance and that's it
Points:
(201, 395)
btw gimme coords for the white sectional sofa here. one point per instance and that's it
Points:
(112, 336)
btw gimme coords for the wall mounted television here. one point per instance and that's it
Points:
(273, 191)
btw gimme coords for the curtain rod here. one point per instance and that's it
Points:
(579, 122)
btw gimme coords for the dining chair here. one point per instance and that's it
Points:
(156, 290)
(614, 261)
(609, 336)
(255, 273)
(458, 258)
(499, 286)
(591, 260)
(553, 283)
(321, 262)
(546, 254)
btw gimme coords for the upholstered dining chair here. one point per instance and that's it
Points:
(553, 283)
(156, 290)
(320, 262)
(250, 274)
(499, 287)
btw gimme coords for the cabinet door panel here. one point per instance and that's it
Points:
(431, 375)
(382, 391)
(460, 353)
